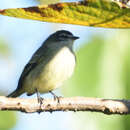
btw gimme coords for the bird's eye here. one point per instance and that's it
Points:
(63, 35)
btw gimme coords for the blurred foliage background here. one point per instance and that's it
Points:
(103, 70)
(7, 119)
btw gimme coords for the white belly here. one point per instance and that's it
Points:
(54, 73)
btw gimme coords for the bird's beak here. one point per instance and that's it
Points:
(75, 37)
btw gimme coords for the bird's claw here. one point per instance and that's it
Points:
(56, 98)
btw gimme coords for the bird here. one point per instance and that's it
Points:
(52, 64)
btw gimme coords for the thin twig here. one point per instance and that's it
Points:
(106, 106)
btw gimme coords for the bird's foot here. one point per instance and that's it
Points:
(56, 97)
(40, 100)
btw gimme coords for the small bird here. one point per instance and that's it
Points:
(50, 65)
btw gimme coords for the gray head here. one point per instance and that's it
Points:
(62, 35)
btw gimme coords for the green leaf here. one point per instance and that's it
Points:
(94, 13)
(48, 1)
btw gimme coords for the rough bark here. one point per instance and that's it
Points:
(106, 106)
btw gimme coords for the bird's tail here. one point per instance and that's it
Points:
(15, 93)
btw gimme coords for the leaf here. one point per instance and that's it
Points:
(95, 13)
(48, 1)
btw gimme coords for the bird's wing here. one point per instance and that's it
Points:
(34, 61)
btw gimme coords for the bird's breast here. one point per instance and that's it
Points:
(63, 63)
(58, 69)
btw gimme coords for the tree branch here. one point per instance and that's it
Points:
(106, 106)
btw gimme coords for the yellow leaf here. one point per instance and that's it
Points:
(94, 13)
